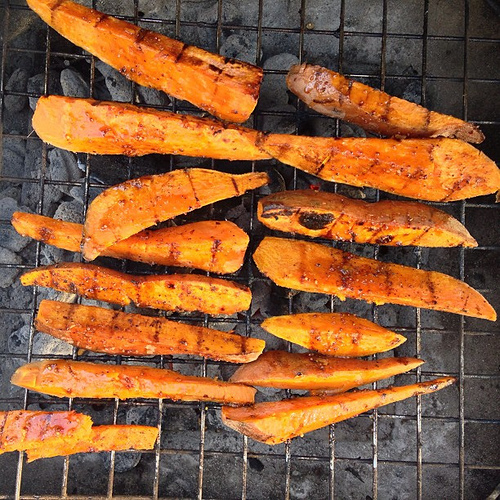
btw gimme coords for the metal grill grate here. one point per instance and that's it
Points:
(443, 446)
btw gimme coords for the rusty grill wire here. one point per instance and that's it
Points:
(239, 468)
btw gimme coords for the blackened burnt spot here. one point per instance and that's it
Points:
(314, 220)
(215, 69)
(141, 34)
(181, 52)
(384, 240)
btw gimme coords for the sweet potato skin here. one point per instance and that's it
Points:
(336, 217)
(98, 127)
(174, 292)
(66, 378)
(277, 421)
(215, 246)
(333, 334)
(332, 94)
(226, 88)
(148, 200)
(115, 332)
(312, 267)
(310, 371)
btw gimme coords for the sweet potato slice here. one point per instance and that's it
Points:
(128, 208)
(170, 292)
(216, 246)
(226, 88)
(332, 94)
(425, 169)
(333, 334)
(336, 217)
(275, 422)
(66, 378)
(287, 370)
(89, 126)
(114, 332)
(312, 267)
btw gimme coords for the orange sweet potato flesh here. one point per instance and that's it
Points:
(115, 332)
(146, 201)
(170, 292)
(216, 246)
(312, 267)
(310, 371)
(332, 94)
(336, 217)
(275, 422)
(333, 334)
(226, 88)
(90, 126)
(66, 378)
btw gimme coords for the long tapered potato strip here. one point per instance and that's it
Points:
(332, 94)
(333, 216)
(312, 267)
(227, 88)
(78, 379)
(115, 332)
(277, 421)
(128, 208)
(169, 292)
(216, 246)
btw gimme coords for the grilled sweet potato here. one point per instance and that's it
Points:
(216, 246)
(115, 332)
(225, 87)
(332, 216)
(174, 292)
(332, 94)
(128, 208)
(286, 370)
(66, 378)
(312, 267)
(333, 334)
(275, 422)
(96, 127)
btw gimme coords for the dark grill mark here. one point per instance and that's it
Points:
(181, 53)
(235, 184)
(314, 220)
(100, 18)
(195, 196)
(387, 111)
(141, 34)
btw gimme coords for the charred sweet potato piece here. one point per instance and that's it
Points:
(114, 332)
(336, 217)
(226, 88)
(275, 422)
(216, 246)
(332, 94)
(128, 208)
(170, 292)
(312, 267)
(66, 378)
(310, 371)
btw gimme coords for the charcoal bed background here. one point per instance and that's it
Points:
(444, 54)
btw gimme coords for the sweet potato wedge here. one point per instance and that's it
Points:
(312, 267)
(170, 292)
(332, 94)
(333, 334)
(114, 332)
(66, 378)
(128, 208)
(310, 371)
(336, 217)
(226, 88)
(275, 422)
(216, 246)
(89, 126)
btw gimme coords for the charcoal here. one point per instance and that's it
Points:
(16, 296)
(124, 460)
(17, 82)
(8, 206)
(70, 211)
(62, 166)
(152, 96)
(118, 86)
(262, 300)
(239, 47)
(142, 415)
(8, 275)
(12, 240)
(77, 193)
(73, 84)
(36, 85)
(311, 302)
(13, 157)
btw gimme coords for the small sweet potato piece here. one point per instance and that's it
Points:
(332, 94)
(216, 246)
(66, 378)
(170, 292)
(275, 422)
(115, 332)
(333, 334)
(312, 267)
(336, 217)
(146, 201)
